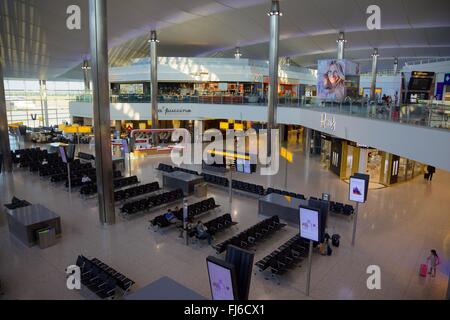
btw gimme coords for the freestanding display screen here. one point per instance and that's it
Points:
(309, 224)
(222, 279)
(359, 184)
(357, 189)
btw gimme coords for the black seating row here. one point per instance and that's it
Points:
(50, 158)
(90, 188)
(124, 182)
(286, 193)
(221, 181)
(248, 187)
(194, 210)
(219, 224)
(286, 256)
(168, 168)
(25, 157)
(79, 172)
(340, 208)
(185, 170)
(86, 156)
(100, 278)
(59, 167)
(125, 194)
(165, 167)
(17, 203)
(249, 237)
(133, 207)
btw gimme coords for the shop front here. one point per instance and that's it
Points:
(344, 158)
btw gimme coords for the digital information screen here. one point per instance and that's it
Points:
(243, 166)
(357, 190)
(221, 282)
(62, 152)
(309, 224)
(239, 165)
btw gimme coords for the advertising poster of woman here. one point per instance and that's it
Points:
(331, 80)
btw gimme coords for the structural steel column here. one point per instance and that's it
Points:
(341, 43)
(102, 123)
(373, 82)
(44, 102)
(274, 15)
(154, 81)
(5, 149)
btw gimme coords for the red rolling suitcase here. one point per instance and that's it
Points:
(423, 270)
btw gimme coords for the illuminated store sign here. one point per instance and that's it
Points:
(167, 110)
(327, 122)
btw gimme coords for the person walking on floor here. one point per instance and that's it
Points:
(433, 259)
(431, 170)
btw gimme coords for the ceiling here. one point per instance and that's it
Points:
(35, 42)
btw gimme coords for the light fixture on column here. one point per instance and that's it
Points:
(237, 53)
(153, 37)
(275, 10)
(85, 65)
(375, 52)
(341, 41)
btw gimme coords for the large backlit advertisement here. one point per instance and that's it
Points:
(331, 79)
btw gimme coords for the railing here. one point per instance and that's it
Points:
(427, 114)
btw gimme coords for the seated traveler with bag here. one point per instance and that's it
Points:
(202, 232)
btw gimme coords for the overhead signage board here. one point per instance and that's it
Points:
(422, 74)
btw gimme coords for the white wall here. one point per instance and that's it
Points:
(207, 69)
(427, 145)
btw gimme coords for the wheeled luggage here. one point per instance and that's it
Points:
(423, 270)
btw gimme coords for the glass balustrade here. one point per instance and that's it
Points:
(423, 114)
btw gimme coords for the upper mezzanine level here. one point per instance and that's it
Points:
(410, 131)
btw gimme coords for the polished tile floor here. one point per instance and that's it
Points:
(396, 229)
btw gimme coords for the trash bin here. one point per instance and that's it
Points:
(201, 190)
(46, 237)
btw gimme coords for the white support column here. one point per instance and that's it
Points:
(102, 123)
(5, 149)
(373, 82)
(340, 45)
(154, 81)
(44, 102)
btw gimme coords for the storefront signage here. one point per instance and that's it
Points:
(327, 121)
(166, 110)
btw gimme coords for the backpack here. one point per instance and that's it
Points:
(335, 240)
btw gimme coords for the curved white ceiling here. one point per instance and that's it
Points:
(35, 42)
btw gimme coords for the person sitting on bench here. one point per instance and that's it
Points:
(170, 217)
(85, 179)
(202, 232)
